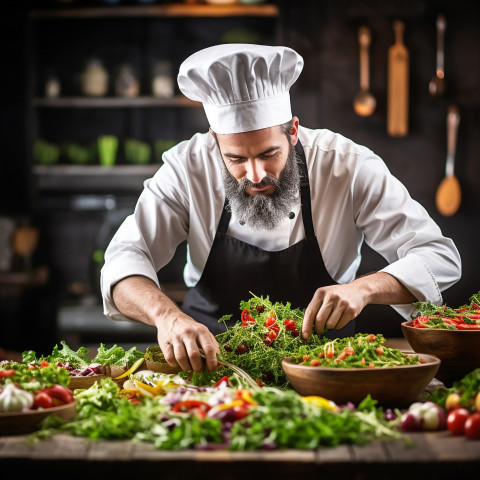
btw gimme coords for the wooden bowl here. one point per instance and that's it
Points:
(17, 423)
(390, 386)
(458, 350)
(161, 367)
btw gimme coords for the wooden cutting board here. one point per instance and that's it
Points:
(398, 84)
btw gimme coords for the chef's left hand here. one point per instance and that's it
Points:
(332, 307)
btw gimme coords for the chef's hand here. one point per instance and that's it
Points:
(179, 336)
(333, 307)
(182, 338)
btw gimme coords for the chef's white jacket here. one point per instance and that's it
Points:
(354, 199)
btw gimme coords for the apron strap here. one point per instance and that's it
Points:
(304, 195)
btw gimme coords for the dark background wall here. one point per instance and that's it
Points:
(325, 34)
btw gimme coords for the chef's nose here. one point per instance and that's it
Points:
(255, 171)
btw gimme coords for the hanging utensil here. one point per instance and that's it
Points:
(398, 71)
(364, 103)
(449, 194)
(436, 86)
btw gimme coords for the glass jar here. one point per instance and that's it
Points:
(94, 79)
(162, 80)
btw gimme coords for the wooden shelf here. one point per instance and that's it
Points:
(93, 177)
(166, 10)
(114, 102)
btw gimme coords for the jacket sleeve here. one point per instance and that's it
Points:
(401, 230)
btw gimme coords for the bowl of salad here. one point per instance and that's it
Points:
(452, 334)
(347, 370)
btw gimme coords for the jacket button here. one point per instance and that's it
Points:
(291, 215)
(241, 222)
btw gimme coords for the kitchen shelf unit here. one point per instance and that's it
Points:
(63, 177)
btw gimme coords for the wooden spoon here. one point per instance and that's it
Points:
(449, 194)
(436, 86)
(364, 103)
(398, 73)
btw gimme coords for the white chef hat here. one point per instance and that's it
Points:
(242, 87)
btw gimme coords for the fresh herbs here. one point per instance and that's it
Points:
(360, 351)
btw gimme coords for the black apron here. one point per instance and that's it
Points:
(235, 268)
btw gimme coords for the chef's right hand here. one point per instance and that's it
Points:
(181, 338)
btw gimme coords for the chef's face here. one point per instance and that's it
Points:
(261, 187)
(257, 158)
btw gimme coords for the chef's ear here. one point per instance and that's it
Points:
(294, 131)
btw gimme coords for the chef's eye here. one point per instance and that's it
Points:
(266, 156)
(236, 160)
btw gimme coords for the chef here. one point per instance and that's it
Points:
(270, 207)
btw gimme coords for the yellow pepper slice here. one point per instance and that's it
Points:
(150, 391)
(132, 369)
(235, 403)
(320, 402)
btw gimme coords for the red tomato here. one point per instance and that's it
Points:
(472, 426)
(269, 321)
(43, 400)
(456, 420)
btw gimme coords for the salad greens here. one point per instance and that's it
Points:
(266, 333)
(361, 351)
(465, 317)
(34, 379)
(273, 418)
(116, 355)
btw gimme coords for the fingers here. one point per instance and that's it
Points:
(329, 309)
(185, 351)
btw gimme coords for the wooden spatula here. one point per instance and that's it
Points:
(398, 84)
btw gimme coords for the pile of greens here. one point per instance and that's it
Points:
(264, 336)
(282, 419)
(115, 355)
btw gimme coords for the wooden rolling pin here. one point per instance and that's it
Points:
(398, 73)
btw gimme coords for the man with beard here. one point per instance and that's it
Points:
(269, 207)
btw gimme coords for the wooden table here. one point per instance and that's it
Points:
(435, 455)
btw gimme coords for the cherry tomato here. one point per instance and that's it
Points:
(269, 321)
(472, 426)
(272, 334)
(456, 420)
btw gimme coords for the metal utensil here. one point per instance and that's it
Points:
(449, 194)
(241, 373)
(364, 103)
(436, 86)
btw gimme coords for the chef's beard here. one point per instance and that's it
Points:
(264, 211)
